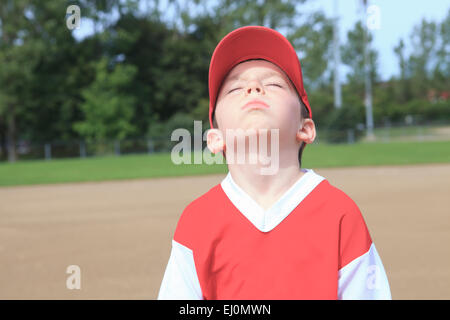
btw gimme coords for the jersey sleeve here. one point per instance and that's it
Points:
(361, 275)
(180, 281)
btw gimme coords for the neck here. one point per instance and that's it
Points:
(266, 189)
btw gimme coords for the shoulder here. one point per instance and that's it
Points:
(348, 205)
(202, 205)
(197, 216)
(340, 209)
(354, 236)
(336, 200)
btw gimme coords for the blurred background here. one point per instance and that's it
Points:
(91, 91)
(118, 76)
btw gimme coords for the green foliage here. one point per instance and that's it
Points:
(420, 110)
(108, 108)
(353, 55)
(313, 40)
(145, 73)
(343, 119)
(275, 14)
(321, 101)
(427, 68)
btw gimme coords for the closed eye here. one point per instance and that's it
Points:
(234, 90)
(275, 84)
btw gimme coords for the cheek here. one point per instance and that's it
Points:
(290, 113)
(224, 114)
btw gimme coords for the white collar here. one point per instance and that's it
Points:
(266, 220)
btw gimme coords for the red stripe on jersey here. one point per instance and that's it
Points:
(298, 259)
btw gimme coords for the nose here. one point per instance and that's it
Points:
(254, 86)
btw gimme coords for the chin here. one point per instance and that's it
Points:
(258, 123)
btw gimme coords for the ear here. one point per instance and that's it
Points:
(215, 141)
(307, 131)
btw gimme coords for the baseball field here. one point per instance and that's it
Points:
(118, 232)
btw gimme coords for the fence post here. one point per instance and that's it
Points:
(48, 151)
(350, 136)
(420, 134)
(117, 147)
(150, 146)
(387, 134)
(82, 149)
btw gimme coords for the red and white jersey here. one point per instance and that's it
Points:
(312, 243)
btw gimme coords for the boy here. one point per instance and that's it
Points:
(285, 235)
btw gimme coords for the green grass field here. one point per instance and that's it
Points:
(160, 165)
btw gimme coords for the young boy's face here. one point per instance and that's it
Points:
(264, 81)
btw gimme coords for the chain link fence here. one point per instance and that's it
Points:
(27, 150)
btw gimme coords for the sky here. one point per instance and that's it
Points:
(396, 19)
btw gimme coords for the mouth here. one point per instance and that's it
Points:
(255, 104)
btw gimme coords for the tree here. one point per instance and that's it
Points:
(274, 14)
(172, 74)
(310, 34)
(312, 39)
(402, 87)
(108, 108)
(353, 56)
(421, 60)
(427, 67)
(19, 54)
(441, 72)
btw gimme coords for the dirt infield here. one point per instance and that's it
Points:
(119, 233)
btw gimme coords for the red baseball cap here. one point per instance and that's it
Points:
(253, 42)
